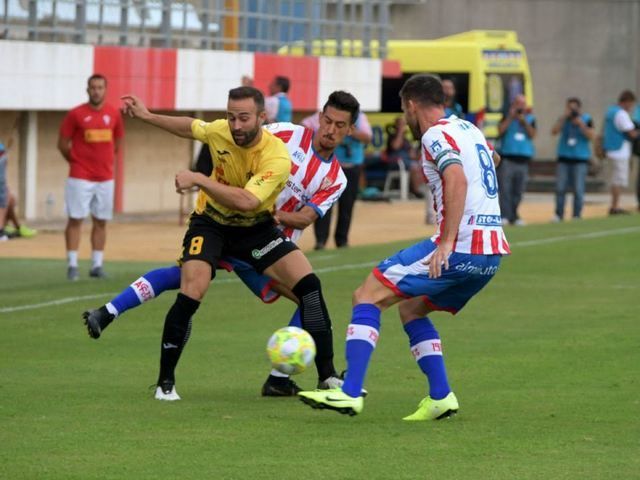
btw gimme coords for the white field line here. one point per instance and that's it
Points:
(336, 268)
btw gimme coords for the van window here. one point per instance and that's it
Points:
(391, 86)
(502, 89)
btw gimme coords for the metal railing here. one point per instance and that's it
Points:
(248, 25)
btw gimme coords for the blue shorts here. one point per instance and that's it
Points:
(406, 274)
(261, 285)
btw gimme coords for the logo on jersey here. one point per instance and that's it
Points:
(267, 175)
(435, 146)
(326, 183)
(298, 155)
(107, 119)
(487, 220)
(258, 254)
(222, 152)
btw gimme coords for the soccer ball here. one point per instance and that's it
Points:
(291, 350)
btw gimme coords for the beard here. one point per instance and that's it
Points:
(95, 101)
(242, 139)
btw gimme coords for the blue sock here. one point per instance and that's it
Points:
(296, 319)
(427, 350)
(149, 286)
(362, 337)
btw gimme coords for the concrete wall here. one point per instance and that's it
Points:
(584, 48)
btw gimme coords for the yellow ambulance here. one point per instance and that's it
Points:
(488, 68)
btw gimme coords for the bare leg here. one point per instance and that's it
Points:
(72, 234)
(615, 197)
(98, 234)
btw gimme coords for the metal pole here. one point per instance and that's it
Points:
(384, 25)
(310, 27)
(33, 20)
(339, 26)
(124, 22)
(204, 30)
(165, 27)
(366, 32)
(80, 35)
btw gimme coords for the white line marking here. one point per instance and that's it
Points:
(336, 268)
(604, 233)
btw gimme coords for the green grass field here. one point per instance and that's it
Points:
(545, 363)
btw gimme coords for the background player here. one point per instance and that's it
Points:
(441, 273)
(293, 270)
(90, 137)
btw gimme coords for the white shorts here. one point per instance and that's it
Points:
(619, 171)
(82, 197)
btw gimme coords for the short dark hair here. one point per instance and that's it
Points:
(575, 100)
(240, 93)
(626, 96)
(97, 76)
(423, 89)
(344, 101)
(283, 83)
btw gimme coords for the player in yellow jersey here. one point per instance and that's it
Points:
(234, 217)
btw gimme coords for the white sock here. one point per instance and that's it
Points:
(278, 373)
(111, 309)
(72, 258)
(96, 258)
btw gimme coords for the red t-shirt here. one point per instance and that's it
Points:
(92, 133)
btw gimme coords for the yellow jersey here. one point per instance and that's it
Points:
(262, 170)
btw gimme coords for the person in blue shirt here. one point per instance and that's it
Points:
(278, 105)
(451, 107)
(619, 133)
(516, 130)
(574, 152)
(636, 120)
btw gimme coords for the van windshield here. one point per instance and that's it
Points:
(391, 86)
(502, 89)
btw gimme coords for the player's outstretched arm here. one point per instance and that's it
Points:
(235, 198)
(135, 108)
(298, 220)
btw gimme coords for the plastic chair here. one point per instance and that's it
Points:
(399, 176)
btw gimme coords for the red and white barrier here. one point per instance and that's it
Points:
(52, 76)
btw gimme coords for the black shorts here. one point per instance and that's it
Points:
(260, 245)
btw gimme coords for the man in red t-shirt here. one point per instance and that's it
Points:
(90, 136)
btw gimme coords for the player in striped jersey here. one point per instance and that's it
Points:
(315, 182)
(440, 273)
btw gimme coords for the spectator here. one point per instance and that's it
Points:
(516, 130)
(618, 131)
(636, 150)
(277, 104)
(574, 152)
(246, 81)
(451, 107)
(8, 204)
(90, 136)
(4, 197)
(400, 149)
(350, 154)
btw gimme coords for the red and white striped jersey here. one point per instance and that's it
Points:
(456, 141)
(314, 181)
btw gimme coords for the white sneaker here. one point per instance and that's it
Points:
(168, 395)
(505, 221)
(520, 223)
(332, 383)
(556, 219)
